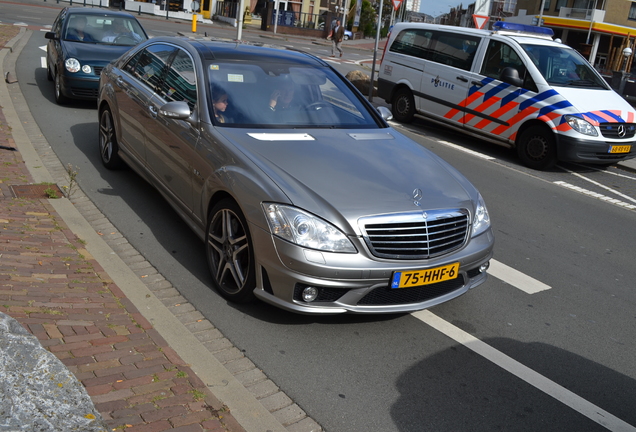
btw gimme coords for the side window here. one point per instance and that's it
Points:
(413, 42)
(180, 83)
(500, 56)
(455, 50)
(149, 64)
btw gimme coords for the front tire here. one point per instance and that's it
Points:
(229, 252)
(60, 99)
(536, 148)
(108, 145)
(403, 106)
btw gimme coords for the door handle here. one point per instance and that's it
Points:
(153, 111)
(463, 79)
(477, 83)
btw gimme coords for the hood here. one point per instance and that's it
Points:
(92, 53)
(342, 175)
(591, 100)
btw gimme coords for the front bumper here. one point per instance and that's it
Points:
(572, 149)
(78, 86)
(358, 283)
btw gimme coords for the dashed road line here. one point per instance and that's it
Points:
(561, 394)
(596, 195)
(465, 150)
(515, 278)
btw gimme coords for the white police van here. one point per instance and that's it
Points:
(513, 86)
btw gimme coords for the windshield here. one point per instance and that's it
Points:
(100, 29)
(282, 95)
(563, 66)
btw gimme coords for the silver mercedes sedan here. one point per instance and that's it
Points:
(303, 194)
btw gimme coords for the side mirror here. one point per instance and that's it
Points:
(51, 35)
(510, 76)
(385, 113)
(176, 110)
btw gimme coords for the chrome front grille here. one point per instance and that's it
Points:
(618, 130)
(417, 235)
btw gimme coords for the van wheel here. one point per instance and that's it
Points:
(536, 148)
(403, 106)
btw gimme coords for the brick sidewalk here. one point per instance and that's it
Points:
(57, 291)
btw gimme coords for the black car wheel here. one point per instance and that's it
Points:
(403, 106)
(108, 146)
(229, 252)
(49, 75)
(60, 99)
(536, 148)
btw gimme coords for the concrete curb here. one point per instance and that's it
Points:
(185, 333)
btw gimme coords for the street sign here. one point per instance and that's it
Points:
(480, 21)
(396, 4)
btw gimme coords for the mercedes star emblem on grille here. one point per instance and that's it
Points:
(621, 131)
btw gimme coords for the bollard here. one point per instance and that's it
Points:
(84, 3)
(194, 23)
(167, 8)
(71, 3)
(120, 6)
(139, 13)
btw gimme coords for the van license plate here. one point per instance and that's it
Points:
(415, 278)
(620, 149)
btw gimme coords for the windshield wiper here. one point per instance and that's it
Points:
(584, 83)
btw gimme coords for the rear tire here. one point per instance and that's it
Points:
(108, 145)
(403, 106)
(536, 148)
(230, 254)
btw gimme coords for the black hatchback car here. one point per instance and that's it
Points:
(81, 42)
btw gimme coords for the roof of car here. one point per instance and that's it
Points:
(100, 12)
(233, 50)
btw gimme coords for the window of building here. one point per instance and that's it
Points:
(632, 12)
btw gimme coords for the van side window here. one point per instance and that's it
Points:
(500, 56)
(455, 50)
(412, 42)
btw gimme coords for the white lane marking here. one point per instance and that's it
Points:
(533, 378)
(465, 150)
(614, 191)
(43, 62)
(43, 47)
(596, 195)
(590, 167)
(515, 278)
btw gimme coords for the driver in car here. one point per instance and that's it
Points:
(119, 31)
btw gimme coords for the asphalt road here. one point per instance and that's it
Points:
(497, 358)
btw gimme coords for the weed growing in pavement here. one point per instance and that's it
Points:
(181, 374)
(51, 193)
(197, 395)
(71, 175)
(155, 378)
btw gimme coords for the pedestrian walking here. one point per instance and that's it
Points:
(337, 35)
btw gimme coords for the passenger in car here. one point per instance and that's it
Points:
(77, 30)
(281, 98)
(219, 104)
(119, 30)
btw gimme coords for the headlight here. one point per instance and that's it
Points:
(581, 126)
(304, 229)
(482, 218)
(72, 65)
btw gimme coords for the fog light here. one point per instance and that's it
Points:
(484, 267)
(310, 294)
(86, 69)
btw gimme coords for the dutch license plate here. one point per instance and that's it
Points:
(408, 279)
(620, 149)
